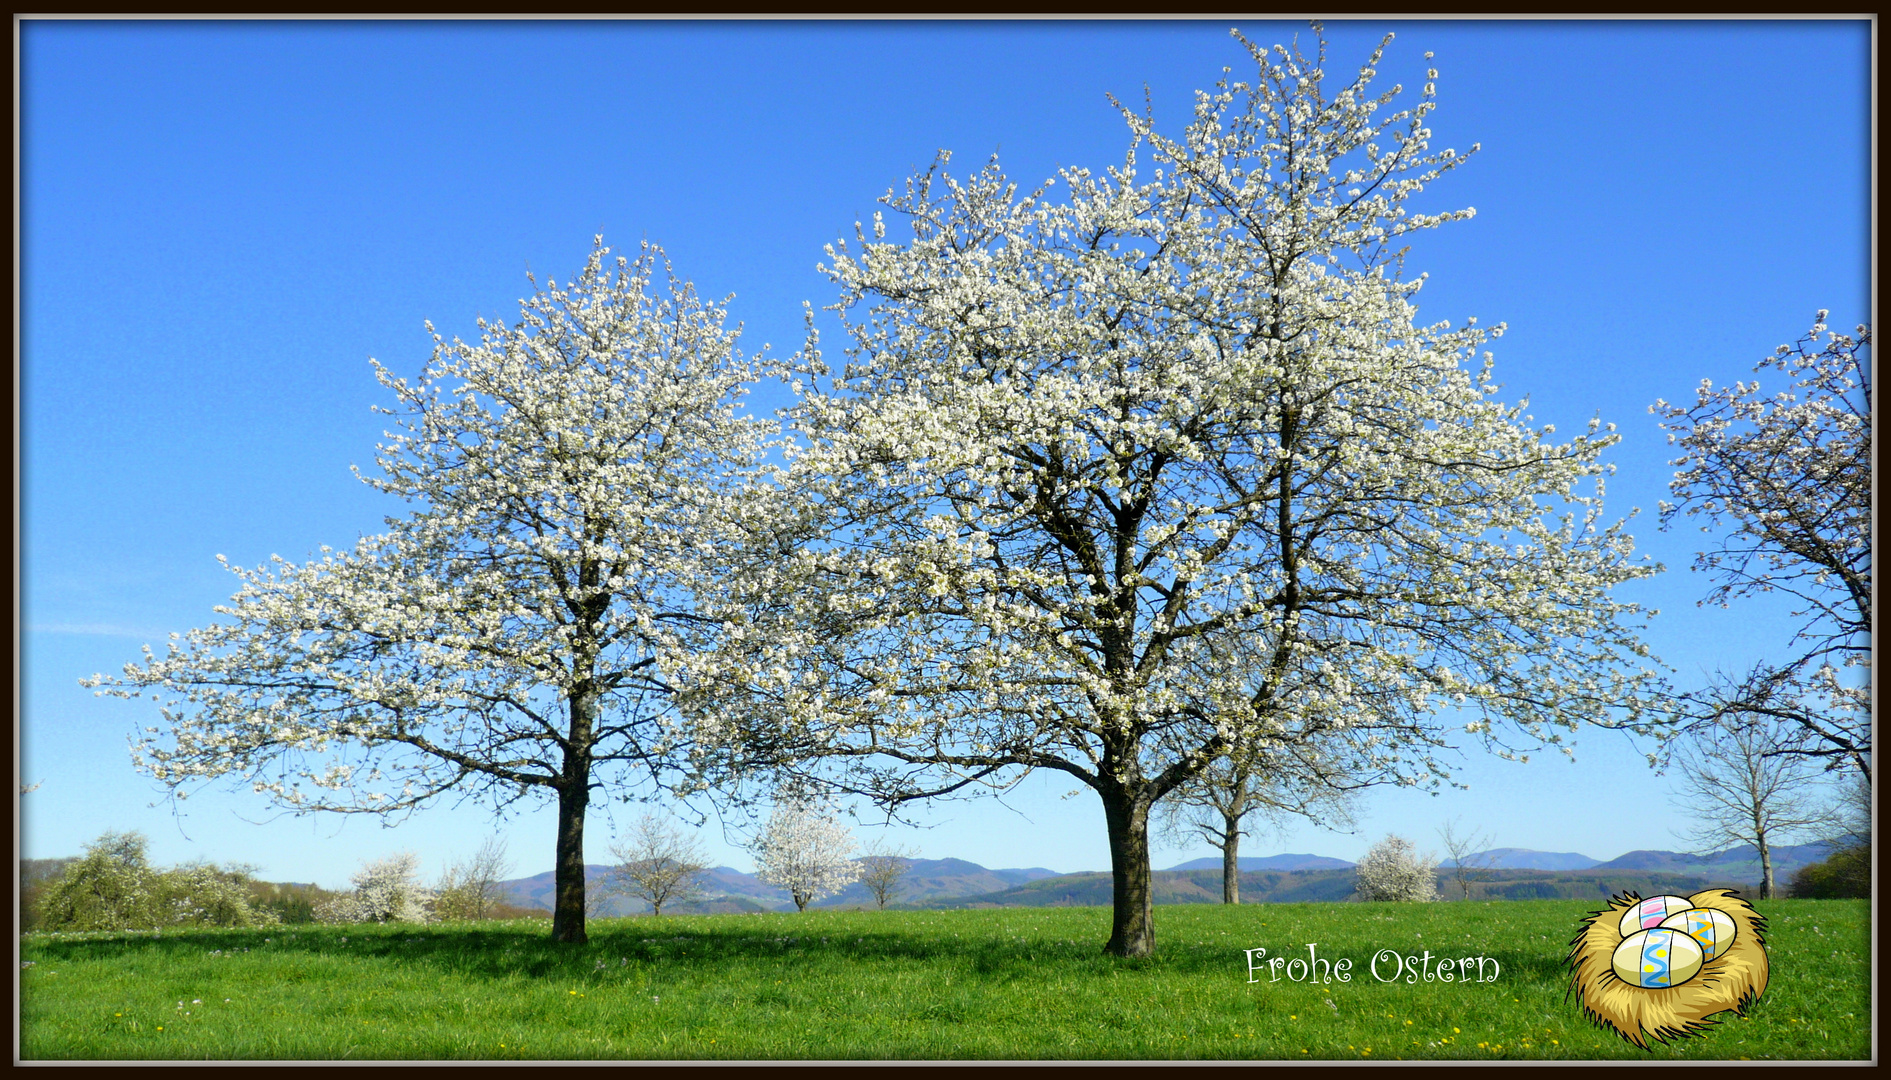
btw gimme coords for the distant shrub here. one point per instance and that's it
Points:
(385, 891)
(205, 894)
(290, 902)
(35, 876)
(111, 887)
(1844, 875)
(1393, 870)
(114, 887)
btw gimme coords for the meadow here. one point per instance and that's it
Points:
(1014, 983)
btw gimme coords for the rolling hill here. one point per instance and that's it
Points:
(1270, 862)
(1510, 858)
(728, 889)
(1517, 874)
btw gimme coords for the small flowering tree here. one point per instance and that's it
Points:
(1394, 870)
(805, 850)
(580, 480)
(386, 890)
(205, 894)
(1128, 478)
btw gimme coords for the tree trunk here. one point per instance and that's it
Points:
(568, 869)
(1766, 867)
(1231, 862)
(574, 795)
(1132, 925)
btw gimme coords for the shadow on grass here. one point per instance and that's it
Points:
(511, 949)
(697, 945)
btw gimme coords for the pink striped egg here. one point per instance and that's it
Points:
(1652, 912)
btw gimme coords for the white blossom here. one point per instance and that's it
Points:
(805, 849)
(1790, 474)
(1394, 870)
(386, 890)
(1140, 465)
(579, 482)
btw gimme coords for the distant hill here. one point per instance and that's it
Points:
(1269, 862)
(928, 879)
(725, 890)
(1519, 874)
(728, 889)
(1670, 861)
(1741, 863)
(1794, 855)
(1168, 886)
(1591, 884)
(1304, 886)
(1511, 858)
(537, 891)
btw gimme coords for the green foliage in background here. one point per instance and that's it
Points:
(1845, 875)
(113, 886)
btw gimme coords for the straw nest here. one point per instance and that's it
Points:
(1731, 980)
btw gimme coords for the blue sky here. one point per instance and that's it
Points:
(222, 222)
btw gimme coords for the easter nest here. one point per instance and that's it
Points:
(1731, 980)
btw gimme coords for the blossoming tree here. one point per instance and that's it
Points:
(1790, 473)
(386, 890)
(806, 850)
(1127, 478)
(580, 481)
(1394, 870)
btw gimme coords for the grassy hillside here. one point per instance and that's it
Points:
(995, 984)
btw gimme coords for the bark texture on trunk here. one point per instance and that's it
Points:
(574, 795)
(568, 871)
(1132, 923)
(1766, 868)
(1231, 862)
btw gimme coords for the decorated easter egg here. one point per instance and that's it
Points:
(1712, 928)
(1652, 912)
(1657, 959)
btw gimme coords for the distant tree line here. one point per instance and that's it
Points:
(1846, 873)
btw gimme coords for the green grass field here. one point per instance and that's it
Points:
(1002, 983)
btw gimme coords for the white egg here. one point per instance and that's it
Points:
(1652, 912)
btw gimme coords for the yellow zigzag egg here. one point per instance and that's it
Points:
(1711, 928)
